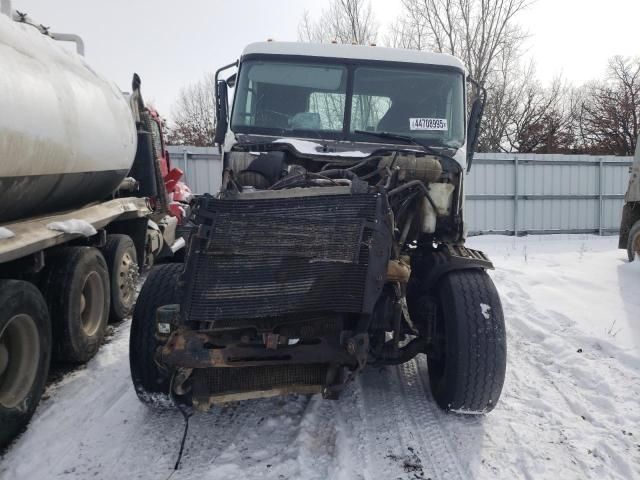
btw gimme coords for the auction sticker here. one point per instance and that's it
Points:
(428, 124)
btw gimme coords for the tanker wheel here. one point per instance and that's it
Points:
(633, 244)
(122, 262)
(25, 354)
(76, 288)
(151, 381)
(467, 361)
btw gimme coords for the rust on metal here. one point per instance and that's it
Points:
(205, 403)
(398, 271)
(197, 349)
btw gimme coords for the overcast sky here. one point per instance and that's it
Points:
(173, 43)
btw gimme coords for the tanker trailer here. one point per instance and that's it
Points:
(83, 202)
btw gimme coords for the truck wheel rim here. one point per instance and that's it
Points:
(92, 303)
(19, 358)
(127, 278)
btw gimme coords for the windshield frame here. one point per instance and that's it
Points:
(350, 65)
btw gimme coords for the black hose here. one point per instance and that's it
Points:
(185, 414)
(340, 173)
(297, 178)
(406, 353)
(407, 201)
(362, 163)
(405, 231)
(374, 173)
(411, 184)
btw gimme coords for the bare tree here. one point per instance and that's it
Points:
(504, 89)
(194, 114)
(344, 21)
(543, 119)
(610, 112)
(404, 32)
(477, 31)
(485, 36)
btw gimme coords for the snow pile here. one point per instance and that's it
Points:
(75, 226)
(6, 233)
(570, 406)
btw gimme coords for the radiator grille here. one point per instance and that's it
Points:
(271, 257)
(215, 381)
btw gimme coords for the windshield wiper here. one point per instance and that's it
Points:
(393, 136)
(407, 139)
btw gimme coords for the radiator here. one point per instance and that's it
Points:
(267, 257)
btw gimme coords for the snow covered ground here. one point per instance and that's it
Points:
(570, 408)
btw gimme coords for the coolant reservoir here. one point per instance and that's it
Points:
(414, 167)
(441, 194)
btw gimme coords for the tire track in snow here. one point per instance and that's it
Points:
(425, 413)
(282, 438)
(316, 439)
(401, 420)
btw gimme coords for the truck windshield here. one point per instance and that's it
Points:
(310, 100)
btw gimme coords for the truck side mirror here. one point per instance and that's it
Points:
(222, 114)
(475, 120)
(473, 129)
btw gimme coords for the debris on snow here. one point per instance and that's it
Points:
(76, 226)
(6, 233)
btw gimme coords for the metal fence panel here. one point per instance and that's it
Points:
(529, 193)
(202, 167)
(506, 193)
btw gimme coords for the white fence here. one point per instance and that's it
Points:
(511, 194)
(202, 167)
(518, 194)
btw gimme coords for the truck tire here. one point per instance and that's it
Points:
(160, 288)
(75, 285)
(468, 360)
(25, 354)
(633, 244)
(120, 254)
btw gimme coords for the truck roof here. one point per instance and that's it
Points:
(356, 52)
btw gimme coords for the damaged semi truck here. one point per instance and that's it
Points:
(337, 238)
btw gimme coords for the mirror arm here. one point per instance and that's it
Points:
(221, 69)
(219, 135)
(474, 142)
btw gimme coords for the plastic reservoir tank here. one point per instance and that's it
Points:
(67, 135)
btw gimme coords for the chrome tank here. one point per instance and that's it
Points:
(67, 135)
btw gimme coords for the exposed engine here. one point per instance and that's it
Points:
(423, 188)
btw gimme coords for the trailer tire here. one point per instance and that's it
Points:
(633, 243)
(25, 354)
(467, 365)
(160, 288)
(75, 285)
(122, 262)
